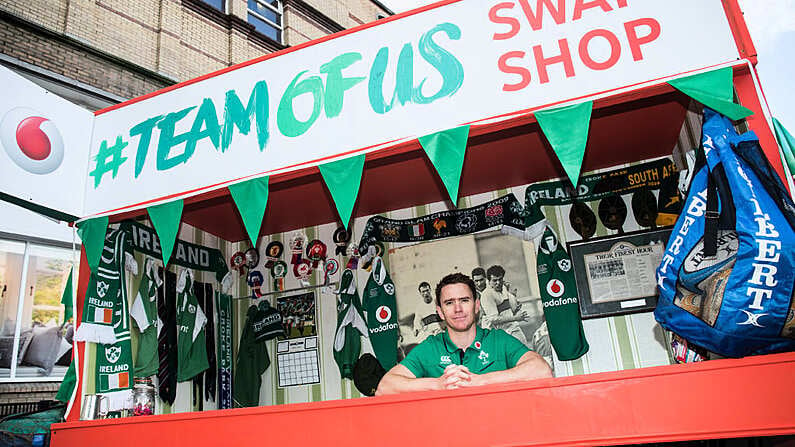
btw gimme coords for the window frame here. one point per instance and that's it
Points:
(278, 10)
(32, 247)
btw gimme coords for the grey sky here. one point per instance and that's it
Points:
(772, 27)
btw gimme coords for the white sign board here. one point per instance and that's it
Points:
(427, 72)
(44, 142)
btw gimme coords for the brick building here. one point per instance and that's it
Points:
(100, 52)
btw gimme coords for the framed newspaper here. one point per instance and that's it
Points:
(616, 274)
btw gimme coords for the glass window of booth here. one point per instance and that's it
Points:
(35, 341)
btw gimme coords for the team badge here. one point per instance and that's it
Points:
(273, 252)
(102, 288)
(31, 141)
(390, 232)
(484, 357)
(564, 264)
(191, 309)
(238, 262)
(316, 252)
(113, 353)
(555, 288)
(466, 223)
(383, 314)
(438, 225)
(252, 257)
(302, 269)
(389, 288)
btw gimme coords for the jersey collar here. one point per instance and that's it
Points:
(450, 347)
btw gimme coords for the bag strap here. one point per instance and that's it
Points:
(711, 217)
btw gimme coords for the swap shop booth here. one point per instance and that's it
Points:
(260, 242)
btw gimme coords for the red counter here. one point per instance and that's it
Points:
(717, 399)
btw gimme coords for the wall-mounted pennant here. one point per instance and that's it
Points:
(446, 150)
(92, 233)
(566, 129)
(251, 198)
(715, 90)
(166, 218)
(343, 178)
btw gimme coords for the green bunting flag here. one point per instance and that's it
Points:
(67, 387)
(343, 178)
(566, 129)
(92, 233)
(165, 218)
(67, 298)
(446, 150)
(715, 90)
(787, 144)
(251, 198)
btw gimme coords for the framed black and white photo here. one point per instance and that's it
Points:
(616, 274)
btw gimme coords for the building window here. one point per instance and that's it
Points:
(35, 342)
(217, 4)
(266, 16)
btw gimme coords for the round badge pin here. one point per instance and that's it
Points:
(316, 252)
(252, 258)
(238, 262)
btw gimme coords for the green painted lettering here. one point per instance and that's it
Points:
(336, 84)
(288, 124)
(144, 129)
(403, 81)
(237, 116)
(169, 140)
(443, 61)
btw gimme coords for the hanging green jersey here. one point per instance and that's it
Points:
(379, 302)
(252, 361)
(559, 297)
(144, 313)
(191, 344)
(350, 326)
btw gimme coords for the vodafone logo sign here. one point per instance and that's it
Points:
(555, 288)
(31, 140)
(383, 314)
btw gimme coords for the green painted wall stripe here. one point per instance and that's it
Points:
(623, 340)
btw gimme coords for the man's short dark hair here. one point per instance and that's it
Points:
(478, 271)
(495, 270)
(454, 278)
(423, 284)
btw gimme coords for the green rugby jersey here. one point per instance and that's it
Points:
(492, 350)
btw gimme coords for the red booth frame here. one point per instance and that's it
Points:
(716, 399)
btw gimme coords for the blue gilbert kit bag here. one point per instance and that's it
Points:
(726, 277)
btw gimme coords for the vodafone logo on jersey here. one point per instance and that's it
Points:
(383, 314)
(31, 140)
(555, 288)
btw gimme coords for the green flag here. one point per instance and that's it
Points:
(715, 90)
(92, 233)
(787, 144)
(67, 387)
(566, 129)
(251, 198)
(343, 178)
(446, 150)
(67, 298)
(165, 218)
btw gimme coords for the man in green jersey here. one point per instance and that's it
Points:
(465, 354)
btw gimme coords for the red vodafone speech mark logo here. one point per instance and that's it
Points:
(555, 288)
(383, 314)
(31, 140)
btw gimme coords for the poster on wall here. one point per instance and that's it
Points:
(503, 269)
(298, 314)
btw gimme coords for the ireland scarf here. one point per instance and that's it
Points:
(379, 296)
(559, 297)
(350, 326)
(106, 297)
(223, 303)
